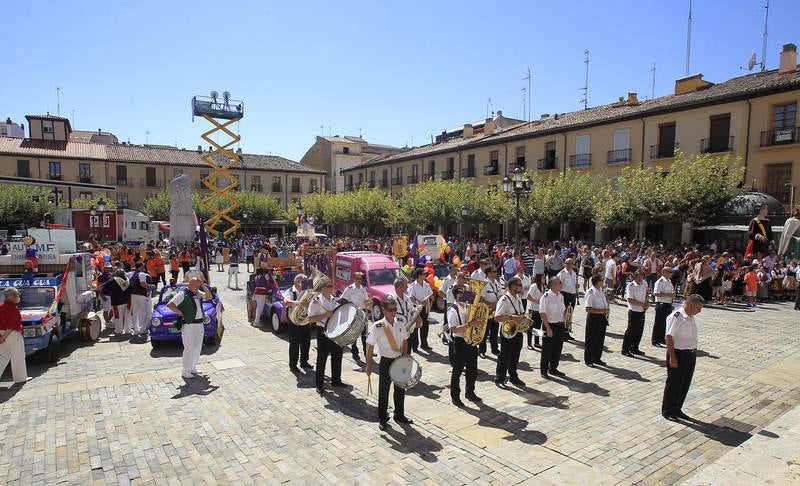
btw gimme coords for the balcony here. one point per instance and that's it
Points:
(257, 187)
(150, 182)
(490, 169)
(580, 160)
(54, 177)
(448, 175)
(276, 188)
(468, 172)
(780, 136)
(384, 183)
(663, 151)
(413, 179)
(547, 163)
(120, 181)
(621, 156)
(296, 189)
(85, 179)
(397, 181)
(708, 146)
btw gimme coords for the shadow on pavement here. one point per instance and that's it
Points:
(541, 398)
(425, 390)
(174, 349)
(411, 441)
(199, 385)
(580, 386)
(622, 373)
(491, 417)
(722, 434)
(343, 401)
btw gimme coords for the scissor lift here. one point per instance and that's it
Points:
(221, 159)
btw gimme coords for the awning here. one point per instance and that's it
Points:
(733, 227)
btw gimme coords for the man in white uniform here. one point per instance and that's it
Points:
(551, 310)
(319, 310)
(596, 322)
(299, 336)
(509, 308)
(141, 304)
(569, 290)
(681, 357)
(464, 355)
(421, 294)
(636, 295)
(187, 305)
(404, 304)
(356, 294)
(491, 293)
(664, 293)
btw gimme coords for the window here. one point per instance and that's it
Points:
(414, 169)
(494, 157)
(276, 184)
(582, 157)
(784, 116)
(312, 186)
(85, 195)
(150, 177)
(122, 175)
(719, 139)
(521, 157)
(47, 127)
(431, 167)
(550, 154)
(255, 183)
(23, 168)
(350, 182)
(469, 171)
(345, 150)
(666, 141)
(85, 172)
(385, 178)
(779, 177)
(122, 200)
(451, 163)
(360, 178)
(295, 184)
(54, 170)
(622, 146)
(372, 178)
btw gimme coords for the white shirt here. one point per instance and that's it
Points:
(538, 265)
(178, 298)
(683, 330)
(552, 305)
(447, 284)
(377, 337)
(292, 293)
(420, 291)
(456, 316)
(478, 274)
(652, 265)
(595, 298)
(526, 283)
(611, 269)
(663, 286)
(491, 291)
(404, 305)
(356, 295)
(509, 305)
(510, 265)
(569, 281)
(637, 292)
(320, 305)
(534, 295)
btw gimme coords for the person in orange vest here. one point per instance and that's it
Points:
(150, 267)
(174, 266)
(160, 268)
(186, 260)
(123, 257)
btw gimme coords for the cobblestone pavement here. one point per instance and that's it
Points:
(119, 412)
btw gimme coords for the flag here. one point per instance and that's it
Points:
(414, 247)
(202, 262)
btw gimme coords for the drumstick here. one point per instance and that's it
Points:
(369, 384)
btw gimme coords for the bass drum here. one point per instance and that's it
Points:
(405, 372)
(346, 324)
(90, 327)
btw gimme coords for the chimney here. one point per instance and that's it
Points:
(209, 148)
(8, 120)
(632, 99)
(489, 127)
(468, 130)
(199, 149)
(499, 113)
(99, 131)
(690, 84)
(788, 59)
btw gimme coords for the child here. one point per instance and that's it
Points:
(750, 286)
(727, 288)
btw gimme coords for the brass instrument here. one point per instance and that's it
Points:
(477, 310)
(411, 321)
(299, 313)
(568, 318)
(509, 329)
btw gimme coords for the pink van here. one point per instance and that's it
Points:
(379, 271)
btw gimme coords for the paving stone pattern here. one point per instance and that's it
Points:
(118, 412)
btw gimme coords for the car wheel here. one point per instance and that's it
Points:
(377, 314)
(53, 348)
(441, 304)
(277, 325)
(155, 344)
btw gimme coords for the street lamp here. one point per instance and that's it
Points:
(517, 188)
(93, 225)
(101, 205)
(299, 208)
(244, 220)
(464, 214)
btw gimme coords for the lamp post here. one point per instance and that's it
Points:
(101, 206)
(92, 214)
(464, 214)
(517, 188)
(244, 222)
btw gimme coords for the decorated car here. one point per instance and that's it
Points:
(162, 324)
(274, 308)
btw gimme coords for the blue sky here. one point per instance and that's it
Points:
(399, 71)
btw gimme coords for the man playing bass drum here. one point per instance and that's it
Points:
(319, 310)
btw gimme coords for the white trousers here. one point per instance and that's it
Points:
(192, 337)
(141, 312)
(233, 272)
(121, 318)
(261, 300)
(12, 350)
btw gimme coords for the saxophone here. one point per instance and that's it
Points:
(477, 310)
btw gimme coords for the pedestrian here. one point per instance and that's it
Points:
(233, 269)
(597, 308)
(681, 357)
(421, 294)
(141, 304)
(187, 304)
(636, 295)
(174, 266)
(569, 289)
(465, 357)
(299, 336)
(12, 344)
(509, 308)
(533, 296)
(120, 293)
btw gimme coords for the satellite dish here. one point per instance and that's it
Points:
(751, 62)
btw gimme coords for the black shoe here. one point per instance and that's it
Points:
(557, 373)
(500, 383)
(600, 362)
(319, 391)
(294, 369)
(545, 375)
(403, 420)
(495, 352)
(669, 416)
(679, 414)
(457, 402)
(383, 425)
(637, 352)
(473, 397)
(427, 348)
(589, 364)
(306, 366)
(339, 384)
(627, 353)
(517, 382)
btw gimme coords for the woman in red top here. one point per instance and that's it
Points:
(12, 344)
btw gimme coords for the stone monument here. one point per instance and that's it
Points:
(181, 215)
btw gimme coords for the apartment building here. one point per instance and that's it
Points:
(753, 117)
(77, 162)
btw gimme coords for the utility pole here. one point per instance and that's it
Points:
(58, 100)
(653, 86)
(530, 93)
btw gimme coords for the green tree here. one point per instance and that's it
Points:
(638, 196)
(80, 203)
(24, 205)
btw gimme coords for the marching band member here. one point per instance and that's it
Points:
(569, 288)
(319, 310)
(664, 292)
(636, 295)
(596, 322)
(391, 339)
(681, 356)
(260, 284)
(356, 294)
(141, 305)
(403, 301)
(533, 297)
(489, 296)
(509, 308)
(464, 355)
(551, 309)
(526, 285)
(444, 293)
(299, 336)
(421, 294)
(480, 272)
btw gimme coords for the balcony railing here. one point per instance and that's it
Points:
(547, 163)
(120, 181)
(257, 187)
(54, 177)
(277, 188)
(490, 170)
(313, 189)
(448, 175)
(384, 183)
(780, 136)
(708, 146)
(150, 182)
(522, 165)
(620, 156)
(397, 181)
(663, 151)
(296, 188)
(22, 174)
(580, 160)
(413, 179)
(429, 176)
(468, 172)
(85, 179)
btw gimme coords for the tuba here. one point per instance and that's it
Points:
(568, 319)
(299, 313)
(477, 310)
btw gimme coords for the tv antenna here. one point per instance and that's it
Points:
(489, 104)
(689, 38)
(653, 85)
(524, 103)
(58, 100)
(530, 93)
(751, 63)
(585, 89)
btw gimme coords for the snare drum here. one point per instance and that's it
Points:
(346, 324)
(405, 372)
(90, 327)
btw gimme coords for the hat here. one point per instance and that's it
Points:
(108, 265)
